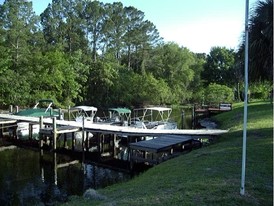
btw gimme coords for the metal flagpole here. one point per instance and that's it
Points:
(242, 191)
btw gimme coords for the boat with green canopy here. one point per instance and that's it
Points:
(116, 116)
(42, 108)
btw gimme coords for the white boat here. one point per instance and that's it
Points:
(80, 113)
(23, 131)
(154, 118)
(84, 112)
(117, 117)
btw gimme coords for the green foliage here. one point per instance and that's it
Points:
(219, 67)
(101, 78)
(147, 89)
(216, 93)
(13, 91)
(260, 90)
(88, 52)
(136, 89)
(176, 66)
(54, 77)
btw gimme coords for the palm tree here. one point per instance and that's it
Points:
(260, 41)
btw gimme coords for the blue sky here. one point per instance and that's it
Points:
(195, 24)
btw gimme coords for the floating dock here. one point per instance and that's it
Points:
(157, 150)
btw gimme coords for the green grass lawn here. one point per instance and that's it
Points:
(210, 175)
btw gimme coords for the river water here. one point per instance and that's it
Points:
(25, 180)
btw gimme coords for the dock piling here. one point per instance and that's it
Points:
(40, 135)
(10, 109)
(183, 118)
(54, 132)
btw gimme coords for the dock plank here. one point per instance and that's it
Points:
(7, 121)
(59, 130)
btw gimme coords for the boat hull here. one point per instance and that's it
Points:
(23, 131)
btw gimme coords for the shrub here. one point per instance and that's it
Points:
(261, 90)
(216, 93)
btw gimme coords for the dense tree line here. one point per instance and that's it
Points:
(81, 51)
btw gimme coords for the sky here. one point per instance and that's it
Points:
(198, 25)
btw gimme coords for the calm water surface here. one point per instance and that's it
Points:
(25, 180)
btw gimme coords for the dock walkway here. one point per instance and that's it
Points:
(104, 139)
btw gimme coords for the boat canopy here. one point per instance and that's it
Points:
(163, 113)
(119, 114)
(120, 111)
(40, 110)
(86, 112)
(159, 109)
(85, 108)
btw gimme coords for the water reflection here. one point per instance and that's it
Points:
(26, 180)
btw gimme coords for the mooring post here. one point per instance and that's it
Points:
(69, 113)
(65, 140)
(83, 134)
(40, 134)
(60, 113)
(193, 116)
(1, 131)
(83, 141)
(55, 167)
(73, 141)
(16, 109)
(41, 145)
(54, 132)
(131, 163)
(114, 145)
(183, 118)
(30, 130)
(10, 109)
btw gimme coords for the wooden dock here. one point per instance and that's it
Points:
(108, 140)
(204, 111)
(223, 107)
(157, 150)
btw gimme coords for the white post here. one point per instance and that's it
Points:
(242, 190)
(54, 133)
(41, 125)
(83, 134)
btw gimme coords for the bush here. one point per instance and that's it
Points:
(261, 90)
(216, 93)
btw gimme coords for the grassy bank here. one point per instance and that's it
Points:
(210, 175)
